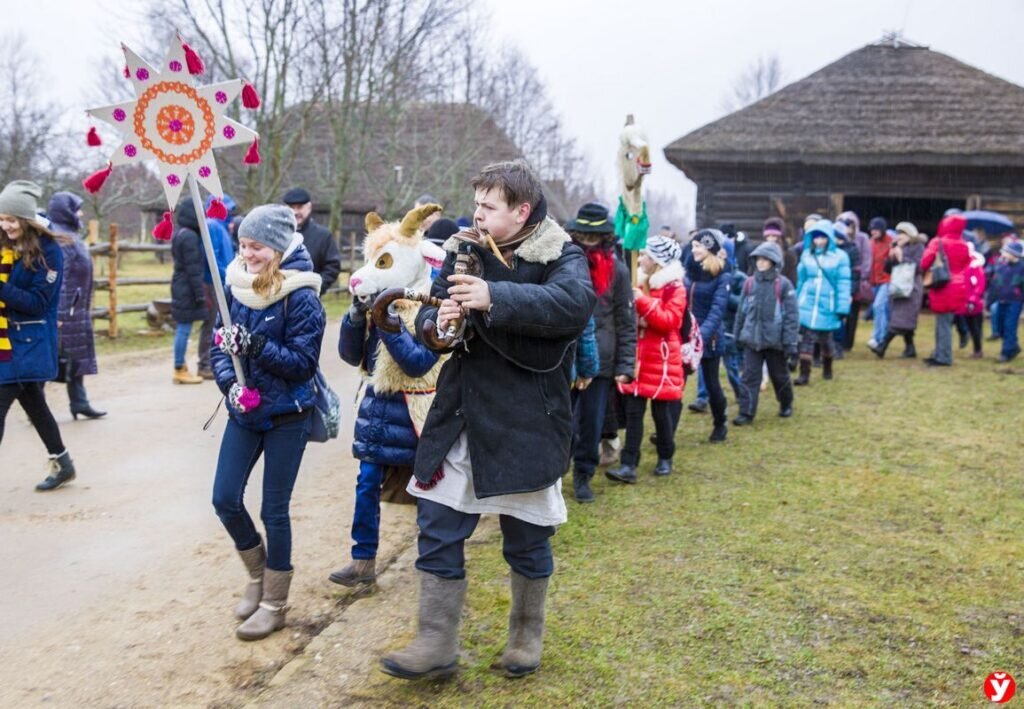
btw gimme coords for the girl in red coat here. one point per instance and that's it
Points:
(660, 305)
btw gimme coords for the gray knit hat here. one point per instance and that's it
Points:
(21, 199)
(663, 250)
(270, 224)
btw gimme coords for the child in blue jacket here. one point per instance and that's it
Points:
(823, 294)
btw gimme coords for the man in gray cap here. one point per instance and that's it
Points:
(318, 241)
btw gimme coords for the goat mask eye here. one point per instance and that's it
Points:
(384, 261)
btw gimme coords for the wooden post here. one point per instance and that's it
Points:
(92, 237)
(112, 275)
(352, 268)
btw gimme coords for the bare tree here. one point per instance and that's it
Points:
(666, 208)
(31, 145)
(761, 78)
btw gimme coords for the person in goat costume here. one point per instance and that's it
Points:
(399, 373)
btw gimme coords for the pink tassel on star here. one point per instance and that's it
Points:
(253, 156)
(94, 182)
(192, 61)
(93, 138)
(165, 229)
(250, 99)
(217, 210)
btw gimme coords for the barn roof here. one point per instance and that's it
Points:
(881, 104)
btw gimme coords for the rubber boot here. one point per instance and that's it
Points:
(805, 372)
(882, 346)
(826, 367)
(434, 652)
(183, 376)
(581, 486)
(525, 626)
(62, 470)
(360, 571)
(255, 560)
(909, 352)
(270, 614)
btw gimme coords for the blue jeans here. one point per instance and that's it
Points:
(588, 421)
(282, 448)
(181, 335)
(366, 515)
(702, 388)
(443, 535)
(1009, 320)
(996, 325)
(882, 312)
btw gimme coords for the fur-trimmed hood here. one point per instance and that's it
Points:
(543, 246)
(663, 276)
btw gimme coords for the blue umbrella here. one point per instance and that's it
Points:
(992, 222)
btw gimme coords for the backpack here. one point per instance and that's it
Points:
(693, 344)
(748, 288)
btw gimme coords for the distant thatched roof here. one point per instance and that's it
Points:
(878, 105)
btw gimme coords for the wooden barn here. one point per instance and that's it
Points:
(892, 129)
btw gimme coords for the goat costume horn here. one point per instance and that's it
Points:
(411, 222)
(372, 221)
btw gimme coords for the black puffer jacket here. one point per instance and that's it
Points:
(188, 298)
(615, 318)
(75, 312)
(509, 389)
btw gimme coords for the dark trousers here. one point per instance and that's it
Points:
(614, 414)
(366, 514)
(1009, 320)
(850, 330)
(589, 417)
(32, 399)
(778, 372)
(716, 397)
(206, 328)
(975, 328)
(661, 412)
(443, 535)
(282, 448)
(77, 396)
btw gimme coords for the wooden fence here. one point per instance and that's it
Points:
(112, 250)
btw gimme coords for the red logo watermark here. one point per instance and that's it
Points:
(999, 687)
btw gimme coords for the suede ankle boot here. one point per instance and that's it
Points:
(270, 615)
(360, 571)
(255, 560)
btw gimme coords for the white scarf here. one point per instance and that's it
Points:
(240, 281)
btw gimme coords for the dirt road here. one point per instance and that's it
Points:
(117, 590)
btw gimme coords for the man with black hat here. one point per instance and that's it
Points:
(615, 318)
(315, 237)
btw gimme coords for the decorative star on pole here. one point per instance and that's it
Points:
(174, 122)
(178, 125)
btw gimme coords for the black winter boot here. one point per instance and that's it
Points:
(622, 474)
(805, 372)
(581, 486)
(909, 352)
(62, 470)
(882, 346)
(826, 367)
(664, 467)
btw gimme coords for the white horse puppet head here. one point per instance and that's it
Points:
(634, 158)
(397, 255)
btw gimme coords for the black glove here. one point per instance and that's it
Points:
(357, 311)
(792, 360)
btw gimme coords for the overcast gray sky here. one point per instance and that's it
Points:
(669, 62)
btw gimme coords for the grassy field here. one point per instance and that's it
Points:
(133, 331)
(865, 552)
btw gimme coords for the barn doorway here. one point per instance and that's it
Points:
(924, 213)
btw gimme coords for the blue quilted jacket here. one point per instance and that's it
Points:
(707, 298)
(384, 433)
(284, 370)
(823, 281)
(31, 298)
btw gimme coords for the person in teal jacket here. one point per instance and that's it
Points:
(823, 294)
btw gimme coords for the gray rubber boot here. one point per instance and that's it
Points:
(269, 616)
(254, 559)
(434, 652)
(525, 626)
(360, 571)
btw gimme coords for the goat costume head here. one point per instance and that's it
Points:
(397, 255)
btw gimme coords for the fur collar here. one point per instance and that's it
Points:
(240, 282)
(663, 276)
(543, 246)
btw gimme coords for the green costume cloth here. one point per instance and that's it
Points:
(632, 228)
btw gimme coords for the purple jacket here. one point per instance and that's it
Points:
(74, 312)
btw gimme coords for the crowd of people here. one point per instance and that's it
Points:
(553, 346)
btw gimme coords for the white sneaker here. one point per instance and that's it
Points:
(872, 343)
